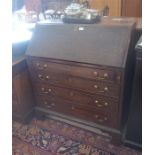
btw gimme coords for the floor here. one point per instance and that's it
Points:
(57, 136)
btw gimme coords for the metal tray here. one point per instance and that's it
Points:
(81, 21)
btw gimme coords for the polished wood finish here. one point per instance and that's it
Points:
(22, 96)
(81, 74)
(132, 8)
(112, 54)
(53, 68)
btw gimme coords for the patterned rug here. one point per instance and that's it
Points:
(51, 137)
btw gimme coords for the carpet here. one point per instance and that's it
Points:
(51, 137)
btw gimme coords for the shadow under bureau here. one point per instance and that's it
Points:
(79, 72)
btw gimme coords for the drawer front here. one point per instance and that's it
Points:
(108, 119)
(91, 86)
(77, 110)
(95, 101)
(85, 72)
(52, 104)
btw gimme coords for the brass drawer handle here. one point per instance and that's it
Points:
(96, 73)
(45, 65)
(40, 67)
(101, 104)
(48, 106)
(46, 92)
(103, 120)
(49, 90)
(96, 116)
(96, 101)
(95, 86)
(47, 77)
(43, 89)
(106, 88)
(42, 78)
(52, 104)
(106, 103)
(105, 75)
(100, 78)
(101, 91)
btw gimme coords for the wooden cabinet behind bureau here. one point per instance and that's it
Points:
(81, 74)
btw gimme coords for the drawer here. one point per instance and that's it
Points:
(79, 71)
(95, 101)
(103, 117)
(92, 86)
(57, 105)
(107, 119)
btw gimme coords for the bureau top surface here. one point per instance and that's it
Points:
(93, 44)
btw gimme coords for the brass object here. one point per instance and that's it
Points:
(106, 88)
(106, 104)
(45, 65)
(99, 105)
(105, 118)
(95, 73)
(53, 104)
(96, 101)
(48, 106)
(95, 86)
(47, 77)
(105, 74)
(96, 116)
(49, 90)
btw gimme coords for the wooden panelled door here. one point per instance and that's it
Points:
(132, 8)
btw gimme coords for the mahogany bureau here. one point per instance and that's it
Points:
(79, 71)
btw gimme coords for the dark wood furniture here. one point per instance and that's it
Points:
(22, 96)
(133, 136)
(80, 72)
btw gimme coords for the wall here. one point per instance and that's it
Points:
(114, 5)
